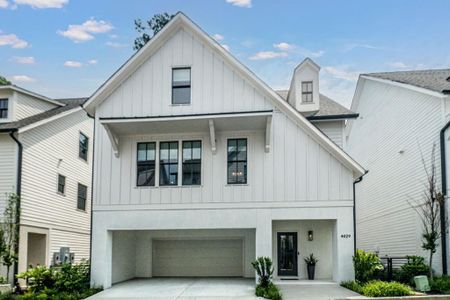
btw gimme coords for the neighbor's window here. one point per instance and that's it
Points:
(192, 162)
(3, 108)
(83, 146)
(61, 184)
(168, 163)
(146, 159)
(181, 85)
(307, 91)
(237, 161)
(82, 196)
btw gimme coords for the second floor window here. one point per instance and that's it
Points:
(83, 146)
(146, 158)
(61, 184)
(192, 162)
(3, 108)
(168, 163)
(181, 86)
(82, 196)
(307, 91)
(237, 161)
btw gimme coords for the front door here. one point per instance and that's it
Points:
(287, 253)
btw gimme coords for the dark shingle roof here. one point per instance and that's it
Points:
(328, 109)
(70, 104)
(435, 80)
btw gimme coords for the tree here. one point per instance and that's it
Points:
(429, 210)
(155, 24)
(9, 233)
(4, 81)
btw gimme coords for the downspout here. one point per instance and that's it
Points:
(358, 180)
(442, 206)
(18, 192)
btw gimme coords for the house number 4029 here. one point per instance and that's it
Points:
(346, 236)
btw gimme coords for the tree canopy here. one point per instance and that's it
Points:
(4, 81)
(148, 29)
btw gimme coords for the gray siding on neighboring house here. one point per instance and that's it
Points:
(396, 128)
(8, 168)
(26, 106)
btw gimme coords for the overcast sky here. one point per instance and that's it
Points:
(67, 48)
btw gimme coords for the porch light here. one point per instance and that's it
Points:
(310, 235)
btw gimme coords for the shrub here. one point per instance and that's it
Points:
(271, 292)
(385, 289)
(440, 285)
(264, 269)
(366, 265)
(353, 286)
(38, 278)
(72, 278)
(414, 266)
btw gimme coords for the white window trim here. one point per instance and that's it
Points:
(171, 83)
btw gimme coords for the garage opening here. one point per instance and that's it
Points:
(183, 253)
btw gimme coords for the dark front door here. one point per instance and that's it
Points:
(287, 253)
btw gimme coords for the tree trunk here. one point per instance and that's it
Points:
(430, 265)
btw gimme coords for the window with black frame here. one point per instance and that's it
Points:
(3, 108)
(307, 91)
(146, 161)
(83, 146)
(181, 86)
(237, 161)
(168, 163)
(61, 184)
(82, 196)
(192, 162)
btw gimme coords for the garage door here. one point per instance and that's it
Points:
(190, 258)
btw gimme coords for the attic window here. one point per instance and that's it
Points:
(3, 108)
(181, 86)
(307, 91)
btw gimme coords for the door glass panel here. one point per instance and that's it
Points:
(287, 254)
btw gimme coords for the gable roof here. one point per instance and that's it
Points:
(29, 93)
(437, 80)
(68, 106)
(182, 21)
(329, 109)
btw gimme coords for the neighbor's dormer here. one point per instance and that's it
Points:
(17, 103)
(304, 89)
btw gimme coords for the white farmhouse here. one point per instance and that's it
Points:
(46, 158)
(402, 115)
(200, 167)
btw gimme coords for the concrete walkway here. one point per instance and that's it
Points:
(217, 288)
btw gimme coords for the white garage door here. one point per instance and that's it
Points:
(190, 258)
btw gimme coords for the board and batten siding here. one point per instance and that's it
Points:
(8, 168)
(396, 128)
(49, 150)
(27, 106)
(334, 130)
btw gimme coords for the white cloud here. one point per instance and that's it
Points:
(283, 46)
(73, 64)
(241, 3)
(263, 55)
(226, 47)
(42, 3)
(4, 4)
(116, 45)
(27, 60)
(92, 62)
(218, 37)
(23, 78)
(398, 65)
(86, 31)
(342, 72)
(13, 41)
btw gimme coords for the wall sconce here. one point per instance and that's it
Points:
(310, 235)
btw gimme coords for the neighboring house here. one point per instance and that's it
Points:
(402, 115)
(200, 167)
(46, 158)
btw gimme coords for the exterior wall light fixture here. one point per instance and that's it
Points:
(310, 235)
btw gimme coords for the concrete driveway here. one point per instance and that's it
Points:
(217, 288)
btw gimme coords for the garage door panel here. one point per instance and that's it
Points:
(197, 258)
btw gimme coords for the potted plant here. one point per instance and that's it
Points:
(311, 265)
(5, 287)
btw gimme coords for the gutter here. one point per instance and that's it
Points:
(18, 192)
(358, 180)
(333, 117)
(444, 192)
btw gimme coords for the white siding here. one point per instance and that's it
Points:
(8, 168)
(26, 106)
(77, 242)
(334, 130)
(395, 128)
(49, 150)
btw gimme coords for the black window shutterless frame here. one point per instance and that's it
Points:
(61, 184)
(192, 162)
(237, 161)
(168, 163)
(3, 108)
(82, 196)
(146, 164)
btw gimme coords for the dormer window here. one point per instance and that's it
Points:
(3, 108)
(181, 86)
(307, 91)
